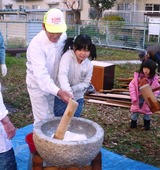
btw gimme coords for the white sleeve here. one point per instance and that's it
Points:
(40, 72)
(3, 111)
(64, 68)
(82, 86)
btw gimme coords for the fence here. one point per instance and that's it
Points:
(116, 34)
(111, 34)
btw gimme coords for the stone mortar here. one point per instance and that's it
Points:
(62, 153)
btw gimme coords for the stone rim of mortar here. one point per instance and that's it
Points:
(98, 135)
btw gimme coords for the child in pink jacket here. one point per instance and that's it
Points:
(147, 73)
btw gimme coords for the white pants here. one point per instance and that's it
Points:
(42, 104)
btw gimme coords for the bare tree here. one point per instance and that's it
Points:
(74, 5)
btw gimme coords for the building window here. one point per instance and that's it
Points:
(21, 7)
(126, 7)
(156, 7)
(34, 6)
(152, 7)
(8, 6)
(69, 17)
(53, 4)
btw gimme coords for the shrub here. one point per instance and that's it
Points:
(112, 18)
(16, 42)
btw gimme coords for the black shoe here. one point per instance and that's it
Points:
(133, 124)
(146, 124)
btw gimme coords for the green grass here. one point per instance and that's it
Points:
(136, 144)
(116, 54)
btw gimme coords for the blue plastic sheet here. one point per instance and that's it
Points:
(110, 160)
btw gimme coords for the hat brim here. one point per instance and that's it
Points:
(142, 54)
(56, 29)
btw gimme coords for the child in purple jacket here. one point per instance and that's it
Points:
(147, 73)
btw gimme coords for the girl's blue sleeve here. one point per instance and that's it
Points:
(2, 50)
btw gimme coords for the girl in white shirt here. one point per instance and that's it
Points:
(75, 71)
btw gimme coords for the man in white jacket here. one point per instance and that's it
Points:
(7, 129)
(43, 57)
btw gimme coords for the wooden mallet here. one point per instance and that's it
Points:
(66, 119)
(150, 98)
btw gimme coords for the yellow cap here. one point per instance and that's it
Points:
(54, 21)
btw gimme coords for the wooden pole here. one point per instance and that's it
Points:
(155, 89)
(150, 98)
(66, 119)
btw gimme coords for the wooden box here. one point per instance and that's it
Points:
(103, 75)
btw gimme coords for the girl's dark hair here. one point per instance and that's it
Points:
(82, 41)
(149, 64)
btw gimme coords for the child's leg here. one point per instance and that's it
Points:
(79, 108)
(147, 120)
(59, 107)
(134, 118)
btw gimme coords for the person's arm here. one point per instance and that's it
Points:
(2, 56)
(66, 65)
(37, 61)
(64, 95)
(132, 91)
(82, 86)
(36, 55)
(63, 74)
(156, 84)
(8, 127)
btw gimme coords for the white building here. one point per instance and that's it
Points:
(136, 10)
(37, 7)
(130, 10)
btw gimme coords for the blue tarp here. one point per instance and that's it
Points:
(110, 160)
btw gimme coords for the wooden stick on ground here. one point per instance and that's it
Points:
(107, 103)
(124, 79)
(110, 95)
(110, 101)
(114, 90)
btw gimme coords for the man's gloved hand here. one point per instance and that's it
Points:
(3, 70)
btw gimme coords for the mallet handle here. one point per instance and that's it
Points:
(155, 89)
(66, 119)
